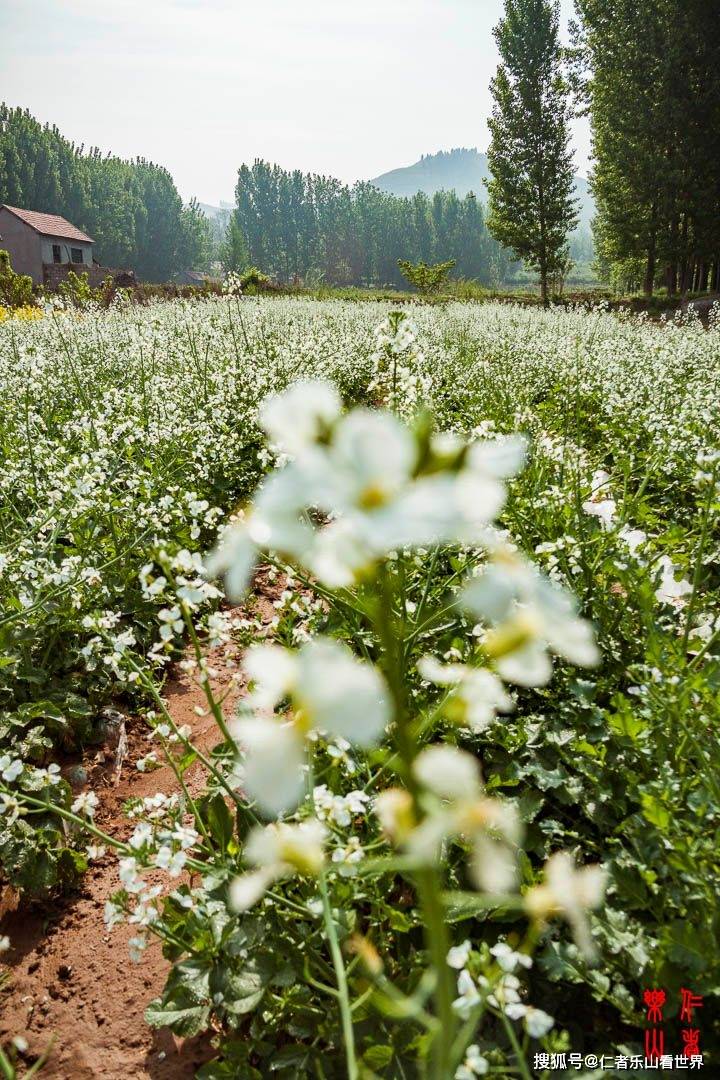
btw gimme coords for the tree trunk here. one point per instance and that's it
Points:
(649, 271)
(704, 276)
(544, 287)
(715, 286)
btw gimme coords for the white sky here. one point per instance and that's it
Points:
(350, 88)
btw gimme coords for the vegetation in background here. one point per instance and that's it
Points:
(531, 207)
(314, 229)
(103, 515)
(16, 290)
(130, 208)
(652, 71)
(426, 279)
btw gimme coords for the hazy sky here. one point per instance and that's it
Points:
(350, 88)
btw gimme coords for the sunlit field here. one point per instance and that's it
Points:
(475, 776)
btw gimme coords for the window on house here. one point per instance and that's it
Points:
(76, 255)
(57, 254)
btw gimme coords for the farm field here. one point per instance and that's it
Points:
(497, 805)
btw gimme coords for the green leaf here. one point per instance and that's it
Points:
(377, 1057)
(183, 1021)
(243, 990)
(654, 811)
(467, 905)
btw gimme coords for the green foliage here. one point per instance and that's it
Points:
(253, 280)
(654, 99)
(130, 208)
(307, 228)
(426, 279)
(531, 207)
(621, 763)
(234, 254)
(16, 290)
(75, 289)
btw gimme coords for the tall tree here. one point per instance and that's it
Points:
(131, 208)
(654, 100)
(531, 207)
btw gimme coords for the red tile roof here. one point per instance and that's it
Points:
(49, 224)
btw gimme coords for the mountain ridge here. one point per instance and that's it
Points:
(463, 170)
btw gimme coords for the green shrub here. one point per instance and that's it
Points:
(16, 290)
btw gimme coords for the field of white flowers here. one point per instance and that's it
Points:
(469, 809)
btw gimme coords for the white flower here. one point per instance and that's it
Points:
(274, 753)
(394, 810)
(295, 419)
(634, 538)
(340, 694)
(339, 809)
(278, 850)
(490, 825)
(4, 943)
(86, 803)
(362, 477)
(505, 996)
(330, 691)
(530, 615)
(10, 768)
(172, 623)
(141, 836)
(473, 1065)
(469, 997)
(348, 857)
(508, 959)
(569, 892)
(477, 695)
(335, 692)
(537, 1022)
(457, 956)
(9, 805)
(670, 590)
(448, 772)
(137, 946)
(605, 509)
(129, 876)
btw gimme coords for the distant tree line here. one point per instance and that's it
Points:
(132, 209)
(651, 71)
(303, 226)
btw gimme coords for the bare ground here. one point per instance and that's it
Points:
(72, 981)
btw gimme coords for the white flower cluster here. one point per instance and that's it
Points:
(331, 692)
(398, 381)
(365, 473)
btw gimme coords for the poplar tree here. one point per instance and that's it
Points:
(654, 100)
(531, 208)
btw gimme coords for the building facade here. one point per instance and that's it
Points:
(36, 241)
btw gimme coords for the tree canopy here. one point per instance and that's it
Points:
(653, 89)
(132, 209)
(531, 207)
(305, 226)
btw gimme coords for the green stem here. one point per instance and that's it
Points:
(428, 880)
(341, 978)
(522, 1064)
(697, 574)
(437, 943)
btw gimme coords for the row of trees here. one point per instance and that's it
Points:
(132, 209)
(300, 225)
(651, 73)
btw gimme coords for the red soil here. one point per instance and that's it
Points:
(72, 980)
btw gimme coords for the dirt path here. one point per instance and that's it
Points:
(72, 979)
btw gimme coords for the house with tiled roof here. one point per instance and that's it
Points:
(37, 242)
